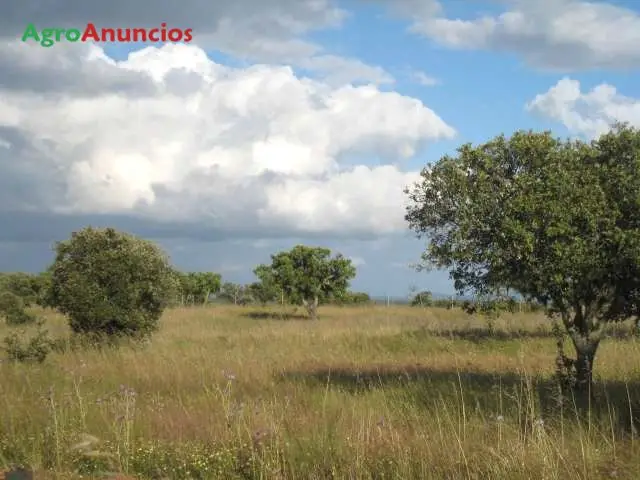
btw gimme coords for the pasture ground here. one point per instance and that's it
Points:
(363, 393)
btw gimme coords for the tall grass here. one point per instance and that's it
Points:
(363, 393)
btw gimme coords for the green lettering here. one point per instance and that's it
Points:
(72, 35)
(47, 33)
(30, 32)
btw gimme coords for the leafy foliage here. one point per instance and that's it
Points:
(29, 287)
(12, 308)
(422, 299)
(266, 289)
(195, 287)
(21, 348)
(235, 293)
(264, 292)
(353, 298)
(110, 283)
(557, 221)
(308, 275)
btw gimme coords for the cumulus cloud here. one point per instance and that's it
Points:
(555, 34)
(266, 31)
(170, 136)
(590, 113)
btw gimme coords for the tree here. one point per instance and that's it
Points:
(110, 283)
(308, 275)
(422, 299)
(234, 292)
(265, 290)
(206, 284)
(357, 298)
(197, 286)
(557, 221)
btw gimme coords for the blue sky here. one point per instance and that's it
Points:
(489, 60)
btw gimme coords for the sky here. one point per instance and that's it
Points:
(285, 122)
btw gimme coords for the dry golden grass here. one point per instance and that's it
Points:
(368, 392)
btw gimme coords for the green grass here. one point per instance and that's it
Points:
(363, 393)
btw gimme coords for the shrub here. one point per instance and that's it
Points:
(110, 284)
(20, 348)
(12, 308)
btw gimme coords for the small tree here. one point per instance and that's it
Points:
(235, 293)
(356, 298)
(308, 275)
(196, 287)
(206, 283)
(110, 283)
(556, 221)
(422, 299)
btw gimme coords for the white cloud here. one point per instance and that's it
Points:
(170, 135)
(556, 34)
(591, 113)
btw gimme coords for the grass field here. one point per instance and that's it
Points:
(367, 392)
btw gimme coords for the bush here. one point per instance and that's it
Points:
(20, 348)
(349, 298)
(12, 308)
(110, 284)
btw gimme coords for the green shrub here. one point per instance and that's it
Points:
(110, 284)
(12, 308)
(21, 348)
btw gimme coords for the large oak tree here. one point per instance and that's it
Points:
(557, 221)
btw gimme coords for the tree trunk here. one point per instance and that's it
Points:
(586, 347)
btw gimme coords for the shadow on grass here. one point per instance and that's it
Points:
(265, 315)
(479, 334)
(615, 403)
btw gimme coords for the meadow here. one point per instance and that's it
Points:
(369, 392)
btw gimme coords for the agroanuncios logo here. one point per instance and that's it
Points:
(47, 37)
